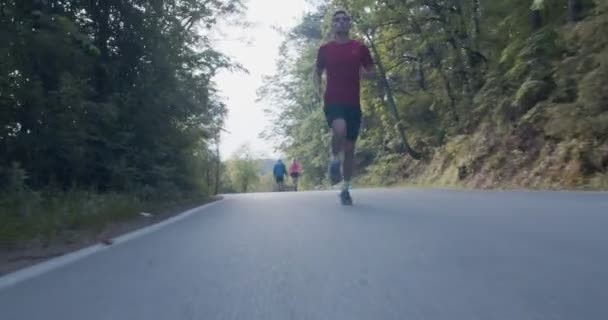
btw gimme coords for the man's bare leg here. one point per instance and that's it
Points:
(337, 146)
(348, 164)
(338, 136)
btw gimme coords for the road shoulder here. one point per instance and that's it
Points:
(27, 255)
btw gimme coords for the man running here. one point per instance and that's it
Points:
(294, 172)
(345, 61)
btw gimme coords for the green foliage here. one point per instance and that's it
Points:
(530, 93)
(472, 83)
(532, 58)
(243, 170)
(384, 171)
(115, 96)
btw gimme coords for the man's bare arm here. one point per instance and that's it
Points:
(368, 68)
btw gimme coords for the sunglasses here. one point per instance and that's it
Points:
(345, 19)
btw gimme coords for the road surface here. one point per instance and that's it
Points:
(396, 254)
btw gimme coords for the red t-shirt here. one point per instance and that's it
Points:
(342, 62)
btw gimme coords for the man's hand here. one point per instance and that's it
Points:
(369, 73)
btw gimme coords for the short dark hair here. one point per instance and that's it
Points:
(339, 12)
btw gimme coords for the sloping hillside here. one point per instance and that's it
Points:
(549, 133)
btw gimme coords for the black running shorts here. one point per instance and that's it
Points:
(350, 113)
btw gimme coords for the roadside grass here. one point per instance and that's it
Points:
(52, 216)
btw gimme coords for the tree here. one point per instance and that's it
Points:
(111, 95)
(244, 169)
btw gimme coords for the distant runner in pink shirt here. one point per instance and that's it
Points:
(294, 171)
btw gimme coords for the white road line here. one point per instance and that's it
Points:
(46, 266)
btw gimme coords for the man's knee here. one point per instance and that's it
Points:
(338, 127)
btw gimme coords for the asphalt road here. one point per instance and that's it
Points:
(395, 254)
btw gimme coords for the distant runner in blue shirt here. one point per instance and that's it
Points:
(279, 171)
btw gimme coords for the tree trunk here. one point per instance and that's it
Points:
(208, 171)
(420, 77)
(459, 40)
(474, 62)
(536, 18)
(218, 168)
(390, 102)
(446, 83)
(101, 16)
(476, 24)
(575, 7)
(40, 5)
